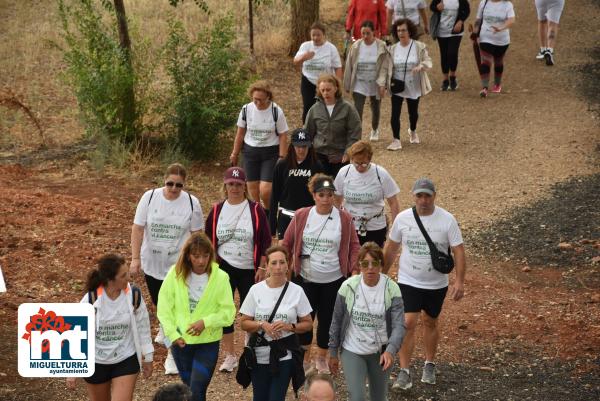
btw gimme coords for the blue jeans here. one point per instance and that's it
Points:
(196, 364)
(271, 387)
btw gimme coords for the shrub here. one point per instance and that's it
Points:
(99, 71)
(208, 86)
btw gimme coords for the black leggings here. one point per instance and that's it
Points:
(413, 114)
(491, 54)
(308, 91)
(154, 285)
(322, 300)
(449, 53)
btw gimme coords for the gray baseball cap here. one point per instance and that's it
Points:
(423, 185)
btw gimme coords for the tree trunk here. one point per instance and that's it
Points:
(128, 113)
(304, 14)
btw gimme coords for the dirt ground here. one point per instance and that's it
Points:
(529, 325)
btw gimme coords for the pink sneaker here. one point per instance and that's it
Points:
(496, 88)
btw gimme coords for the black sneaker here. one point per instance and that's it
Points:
(445, 85)
(549, 57)
(453, 84)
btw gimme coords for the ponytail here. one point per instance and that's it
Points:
(107, 269)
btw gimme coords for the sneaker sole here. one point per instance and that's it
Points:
(549, 59)
(427, 381)
(396, 386)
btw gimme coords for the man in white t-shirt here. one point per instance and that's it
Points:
(423, 288)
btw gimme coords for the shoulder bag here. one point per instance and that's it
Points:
(247, 360)
(398, 85)
(444, 263)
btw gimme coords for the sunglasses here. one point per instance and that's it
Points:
(369, 263)
(171, 183)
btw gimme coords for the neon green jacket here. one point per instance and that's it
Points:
(215, 307)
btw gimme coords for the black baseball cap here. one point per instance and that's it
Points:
(301, 138)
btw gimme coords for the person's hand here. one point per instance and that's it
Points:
(440, 6)
(269, 328)
(180, 342)
(71, 383)
(334, 365)
(417, 69)
(280, 326)
(309, 55)
(135, 266)
(195, 329)
(457, 27)
(426, 29)
(386, 360)
(260, 275)
(382, 92)
(457, 291)
(147, 369)
(496, 29)
(233, 159)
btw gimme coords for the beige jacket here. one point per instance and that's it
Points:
(352, 61)
(424, 61)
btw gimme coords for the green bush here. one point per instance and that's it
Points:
(99, 71)
(208, 86)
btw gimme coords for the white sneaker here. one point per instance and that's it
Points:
(414, 138)
(160, 337)
(229, 363)
(374, 136)
(541, 53)
(395, 145)
(170, 366)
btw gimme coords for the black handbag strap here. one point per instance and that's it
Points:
(432, 249)
(285, 287)
(407, 56)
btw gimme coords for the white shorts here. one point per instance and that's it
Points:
(549, 10)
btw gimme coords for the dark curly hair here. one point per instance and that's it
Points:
(412, 28)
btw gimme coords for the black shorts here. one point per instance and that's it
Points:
(420, 299)
(105, 373)
(259, 162)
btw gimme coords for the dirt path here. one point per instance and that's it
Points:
(518, 334)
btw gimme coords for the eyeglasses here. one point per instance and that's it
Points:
(369, 263)
(363, 165)
(171, 183)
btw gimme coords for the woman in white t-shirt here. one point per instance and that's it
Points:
(239, 231)
(164, 219)
(413, 10)
(367, 327)
(262, 139)
(271, 380)
(316, 56)
(362, 188)
(453, 14)
(323, 245)
(123, 339)
(365, 73)
(494, 18)
(408, 64)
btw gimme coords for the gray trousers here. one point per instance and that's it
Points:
(357, 368)
(359, 104)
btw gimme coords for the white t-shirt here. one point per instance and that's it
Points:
(412, 81)
(235, 235)
(448, 19)
(260, 125)
(167, 225)
(366, 70)
(495, 14)
(411, 7)
(330, 108)
(365, 193)
(114, 335)
(259, 304)
(321, 240)
(196, 284)
(325, 60)
(367, 331)
(416, 268)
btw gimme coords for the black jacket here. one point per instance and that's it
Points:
(464, 10)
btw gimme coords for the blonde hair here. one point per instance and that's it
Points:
(333, 80)
(361, 147)
(262, 86)
(197, 242)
